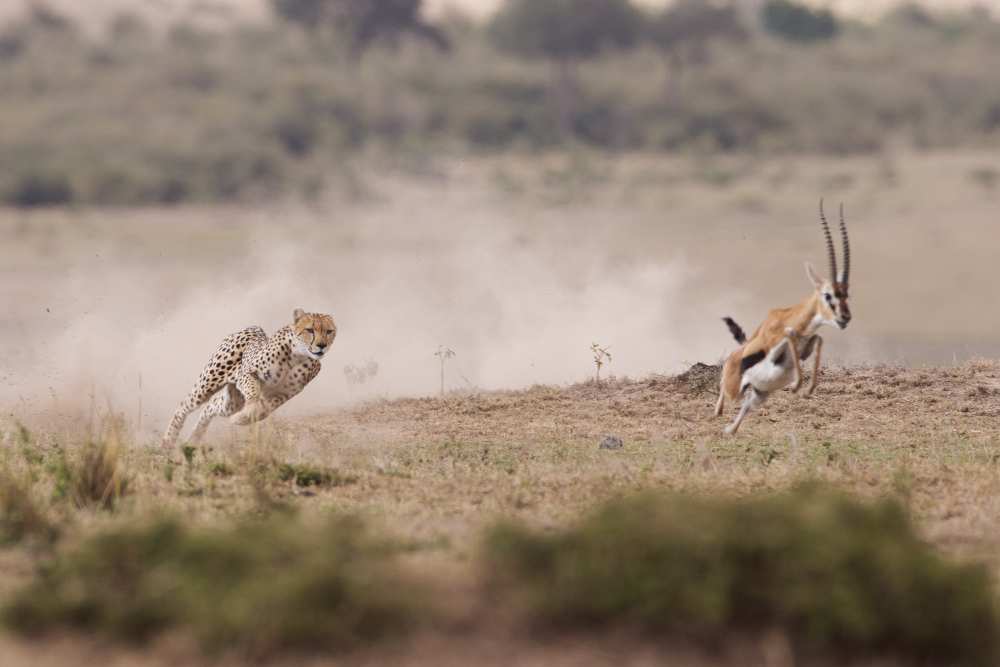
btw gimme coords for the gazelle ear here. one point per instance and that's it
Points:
(813, 276)
(297, 315)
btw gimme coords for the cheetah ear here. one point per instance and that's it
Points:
(298, 314)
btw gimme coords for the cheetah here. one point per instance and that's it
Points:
(251, 375)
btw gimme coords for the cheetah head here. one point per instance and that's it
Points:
(314, 333)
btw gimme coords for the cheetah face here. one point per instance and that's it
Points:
(314, 333)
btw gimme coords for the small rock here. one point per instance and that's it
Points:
(611, 442)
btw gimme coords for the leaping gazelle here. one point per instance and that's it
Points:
(770, 359)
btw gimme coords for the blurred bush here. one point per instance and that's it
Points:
(148, 116)
(798, 22)
(257, 588)
(835, 574)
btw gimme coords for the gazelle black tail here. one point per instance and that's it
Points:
(735, 330)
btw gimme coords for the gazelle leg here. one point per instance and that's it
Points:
(815, 377)
(792, 337)
(721, 403)
(752, 400)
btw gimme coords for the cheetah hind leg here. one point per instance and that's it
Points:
(211, 379)
(226, 402)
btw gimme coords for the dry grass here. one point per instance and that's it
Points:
(929, 433)
(21, 515)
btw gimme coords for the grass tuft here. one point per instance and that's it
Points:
(836, 574)
(259, 587)
(97, 478)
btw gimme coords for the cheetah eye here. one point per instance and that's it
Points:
(309, 331)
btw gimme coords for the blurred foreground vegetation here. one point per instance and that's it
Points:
(836, 575)
(261, 587)
(142, 114)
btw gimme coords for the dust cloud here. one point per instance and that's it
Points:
(128, 325)
(123, 308)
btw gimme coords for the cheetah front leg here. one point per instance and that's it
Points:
(260, 409)
(258, 405)
(254, 408)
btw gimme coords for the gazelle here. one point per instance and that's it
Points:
(770, 359)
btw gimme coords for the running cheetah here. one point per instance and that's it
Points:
(251, 375)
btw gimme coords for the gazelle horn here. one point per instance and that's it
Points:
(847, 248)
(829, 242)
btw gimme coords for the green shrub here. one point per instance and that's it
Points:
(836, 574)
(259, 587)
(305, 475)
(221, 470)
(798, 22)
(565, 29)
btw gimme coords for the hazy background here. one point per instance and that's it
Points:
(514, 186)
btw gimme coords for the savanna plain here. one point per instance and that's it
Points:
(484, 205)
(518, 266)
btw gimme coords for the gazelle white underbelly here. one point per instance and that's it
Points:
(766, 376)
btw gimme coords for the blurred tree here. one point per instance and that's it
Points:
(362, 22)
(565, 29)
(797, 22)
(687, 27)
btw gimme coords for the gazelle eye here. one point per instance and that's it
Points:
(829, 298)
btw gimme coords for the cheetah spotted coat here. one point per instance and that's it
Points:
(251, 375)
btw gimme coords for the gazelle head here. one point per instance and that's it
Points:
(832, 293)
